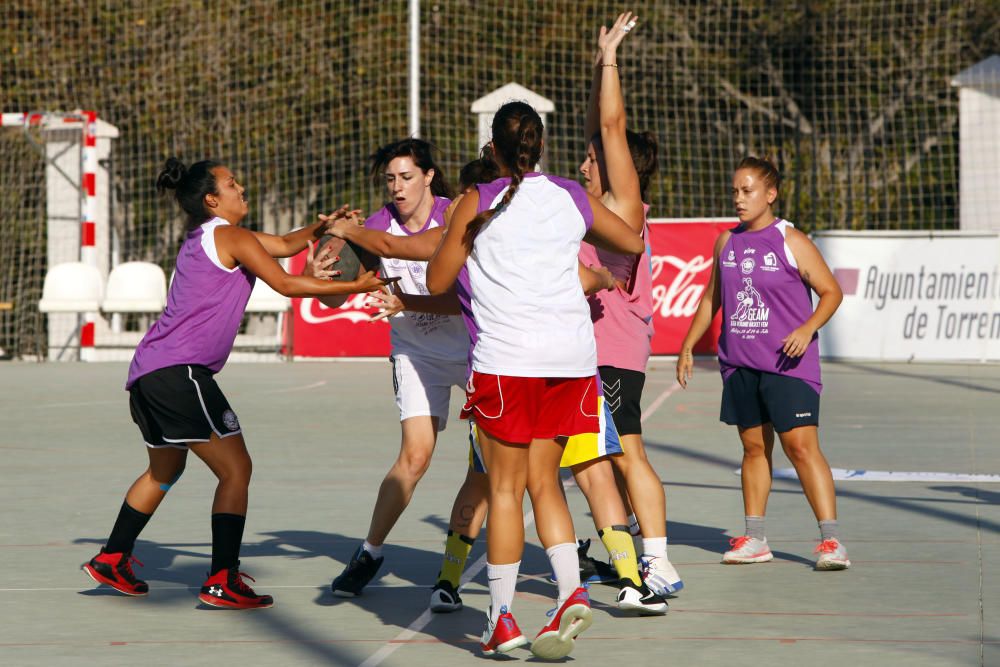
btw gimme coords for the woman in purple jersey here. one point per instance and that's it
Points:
(173, 396)
(762, 279)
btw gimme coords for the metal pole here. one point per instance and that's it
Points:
(415, 68)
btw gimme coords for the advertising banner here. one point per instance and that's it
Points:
(914, 296)
(681, 262)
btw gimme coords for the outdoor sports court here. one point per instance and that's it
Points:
(922, 589)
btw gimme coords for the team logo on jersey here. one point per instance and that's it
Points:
(230, 420)
(749, 251)
(417, 269)
(732, 256)
(770, 262)
(751, 312)
(746, 266)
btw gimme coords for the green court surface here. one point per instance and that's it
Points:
(924, 587)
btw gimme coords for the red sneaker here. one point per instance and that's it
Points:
(226, 588)
(504, 636)
(557, 639)
(115, 570)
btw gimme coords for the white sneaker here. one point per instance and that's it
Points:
(660, 575)
(746, 549)
(832, 555)
(640, 599)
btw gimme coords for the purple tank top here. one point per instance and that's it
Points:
(763, 300)
(204, 309)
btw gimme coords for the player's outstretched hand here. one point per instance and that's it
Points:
(609, 39)
(341, 220)
(388, 304)
(795, 343)
(369, 282)
(318, 265)
(685, 367)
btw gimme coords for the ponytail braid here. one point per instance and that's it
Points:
(517, 140)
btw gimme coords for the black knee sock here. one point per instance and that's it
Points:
(227, 535)
(127, 527)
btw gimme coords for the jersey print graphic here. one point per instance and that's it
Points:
(751, 315)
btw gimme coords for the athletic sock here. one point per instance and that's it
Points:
(828, 530)
(227, 535)
(456, 551)
(655, 546)
(618, 541)
(566, 566)
(755, 527)
(374, 551)
(128, 525)
(502, 580)
(633, 525)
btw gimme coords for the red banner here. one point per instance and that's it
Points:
(682, 266)
(681, 263)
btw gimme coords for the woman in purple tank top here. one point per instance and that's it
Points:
(763, 278)
(173, 396)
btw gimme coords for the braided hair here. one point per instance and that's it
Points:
(517, 144)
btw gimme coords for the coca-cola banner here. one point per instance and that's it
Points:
(681, 264)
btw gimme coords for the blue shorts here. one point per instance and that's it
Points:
(751, 398)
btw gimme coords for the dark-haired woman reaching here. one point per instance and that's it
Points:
(173, 396)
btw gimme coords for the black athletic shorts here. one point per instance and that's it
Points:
(623, 393)
(751, 398)
(180, 404)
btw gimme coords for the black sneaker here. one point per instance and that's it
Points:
(640, 599)
(593, 571)
(444, 598)
(357, 574)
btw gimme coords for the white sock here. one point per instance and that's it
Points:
(503, 581)
(655, 546)
(566, 567)
(374, 551)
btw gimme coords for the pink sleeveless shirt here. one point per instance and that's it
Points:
(623, 318)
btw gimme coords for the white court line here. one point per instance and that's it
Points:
(655, 405)
(418, 625)
(289, 390)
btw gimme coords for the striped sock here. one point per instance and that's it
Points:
(456, 551)
(618, 541)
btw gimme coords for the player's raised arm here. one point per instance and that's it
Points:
(451, 253)
(610, 232)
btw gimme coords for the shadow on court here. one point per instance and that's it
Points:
(937, 379)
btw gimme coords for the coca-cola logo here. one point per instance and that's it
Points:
(354, 310)
(680, 297)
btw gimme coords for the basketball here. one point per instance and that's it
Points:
(354, 260)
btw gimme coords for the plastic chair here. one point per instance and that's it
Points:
(263, 299)
(73, 287)
(135, 287)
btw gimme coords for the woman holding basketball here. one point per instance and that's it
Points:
(533, 360)
(617, 170)
(173, 396)
(762, 279)
(429, 350)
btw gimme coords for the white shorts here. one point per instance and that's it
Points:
(423, 386)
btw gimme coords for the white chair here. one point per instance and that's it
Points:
(73, 288)
(135, 287)
(264, 301)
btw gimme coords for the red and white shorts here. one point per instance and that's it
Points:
(520, 409)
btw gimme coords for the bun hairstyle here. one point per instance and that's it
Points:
(517, 143)
(482, 170)
(189, 185)
(765, 169)
(422, 154)
(645, 151)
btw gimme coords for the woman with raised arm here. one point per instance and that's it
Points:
(763, 277)
(173, 396)
(617, 169)
(533, 360)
